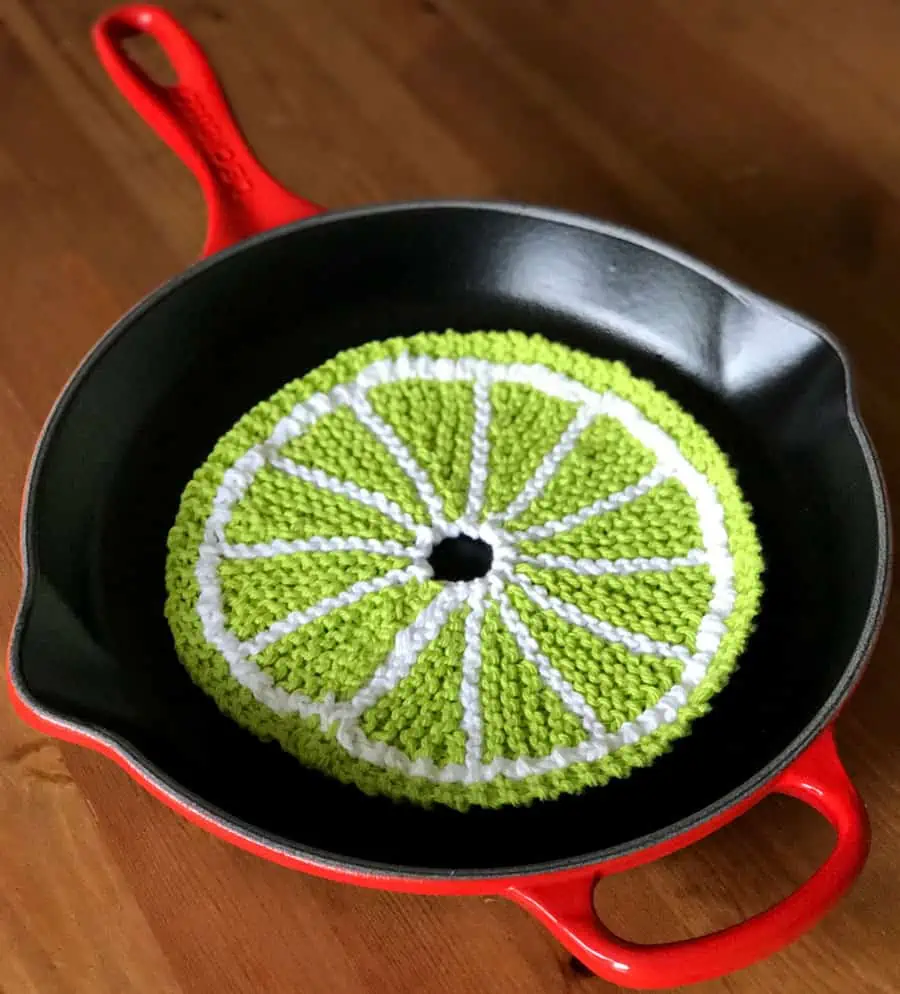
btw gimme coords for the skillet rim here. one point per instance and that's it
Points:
(150, 777)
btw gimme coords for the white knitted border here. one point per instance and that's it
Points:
(410, 642)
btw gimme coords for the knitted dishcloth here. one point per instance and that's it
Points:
(466, 569)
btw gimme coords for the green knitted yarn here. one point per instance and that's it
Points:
(465, 569)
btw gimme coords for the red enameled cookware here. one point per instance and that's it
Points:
(281, 288)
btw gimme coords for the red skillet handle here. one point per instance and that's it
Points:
(567, 909)
(194, 120)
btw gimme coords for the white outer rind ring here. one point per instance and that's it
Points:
(670, 462)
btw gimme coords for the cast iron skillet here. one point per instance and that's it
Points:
(92, 660)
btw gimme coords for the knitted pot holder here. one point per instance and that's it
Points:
(465, 569)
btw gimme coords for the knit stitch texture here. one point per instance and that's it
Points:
(465, 569)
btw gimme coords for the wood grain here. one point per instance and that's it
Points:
(761, 135)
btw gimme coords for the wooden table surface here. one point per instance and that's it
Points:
(761, 135)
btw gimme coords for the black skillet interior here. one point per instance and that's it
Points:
(146, 409)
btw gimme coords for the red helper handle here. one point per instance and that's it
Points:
(194, 120)
(817, 778)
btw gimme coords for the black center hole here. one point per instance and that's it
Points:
(461, 558)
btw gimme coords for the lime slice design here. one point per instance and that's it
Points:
(470, 569)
